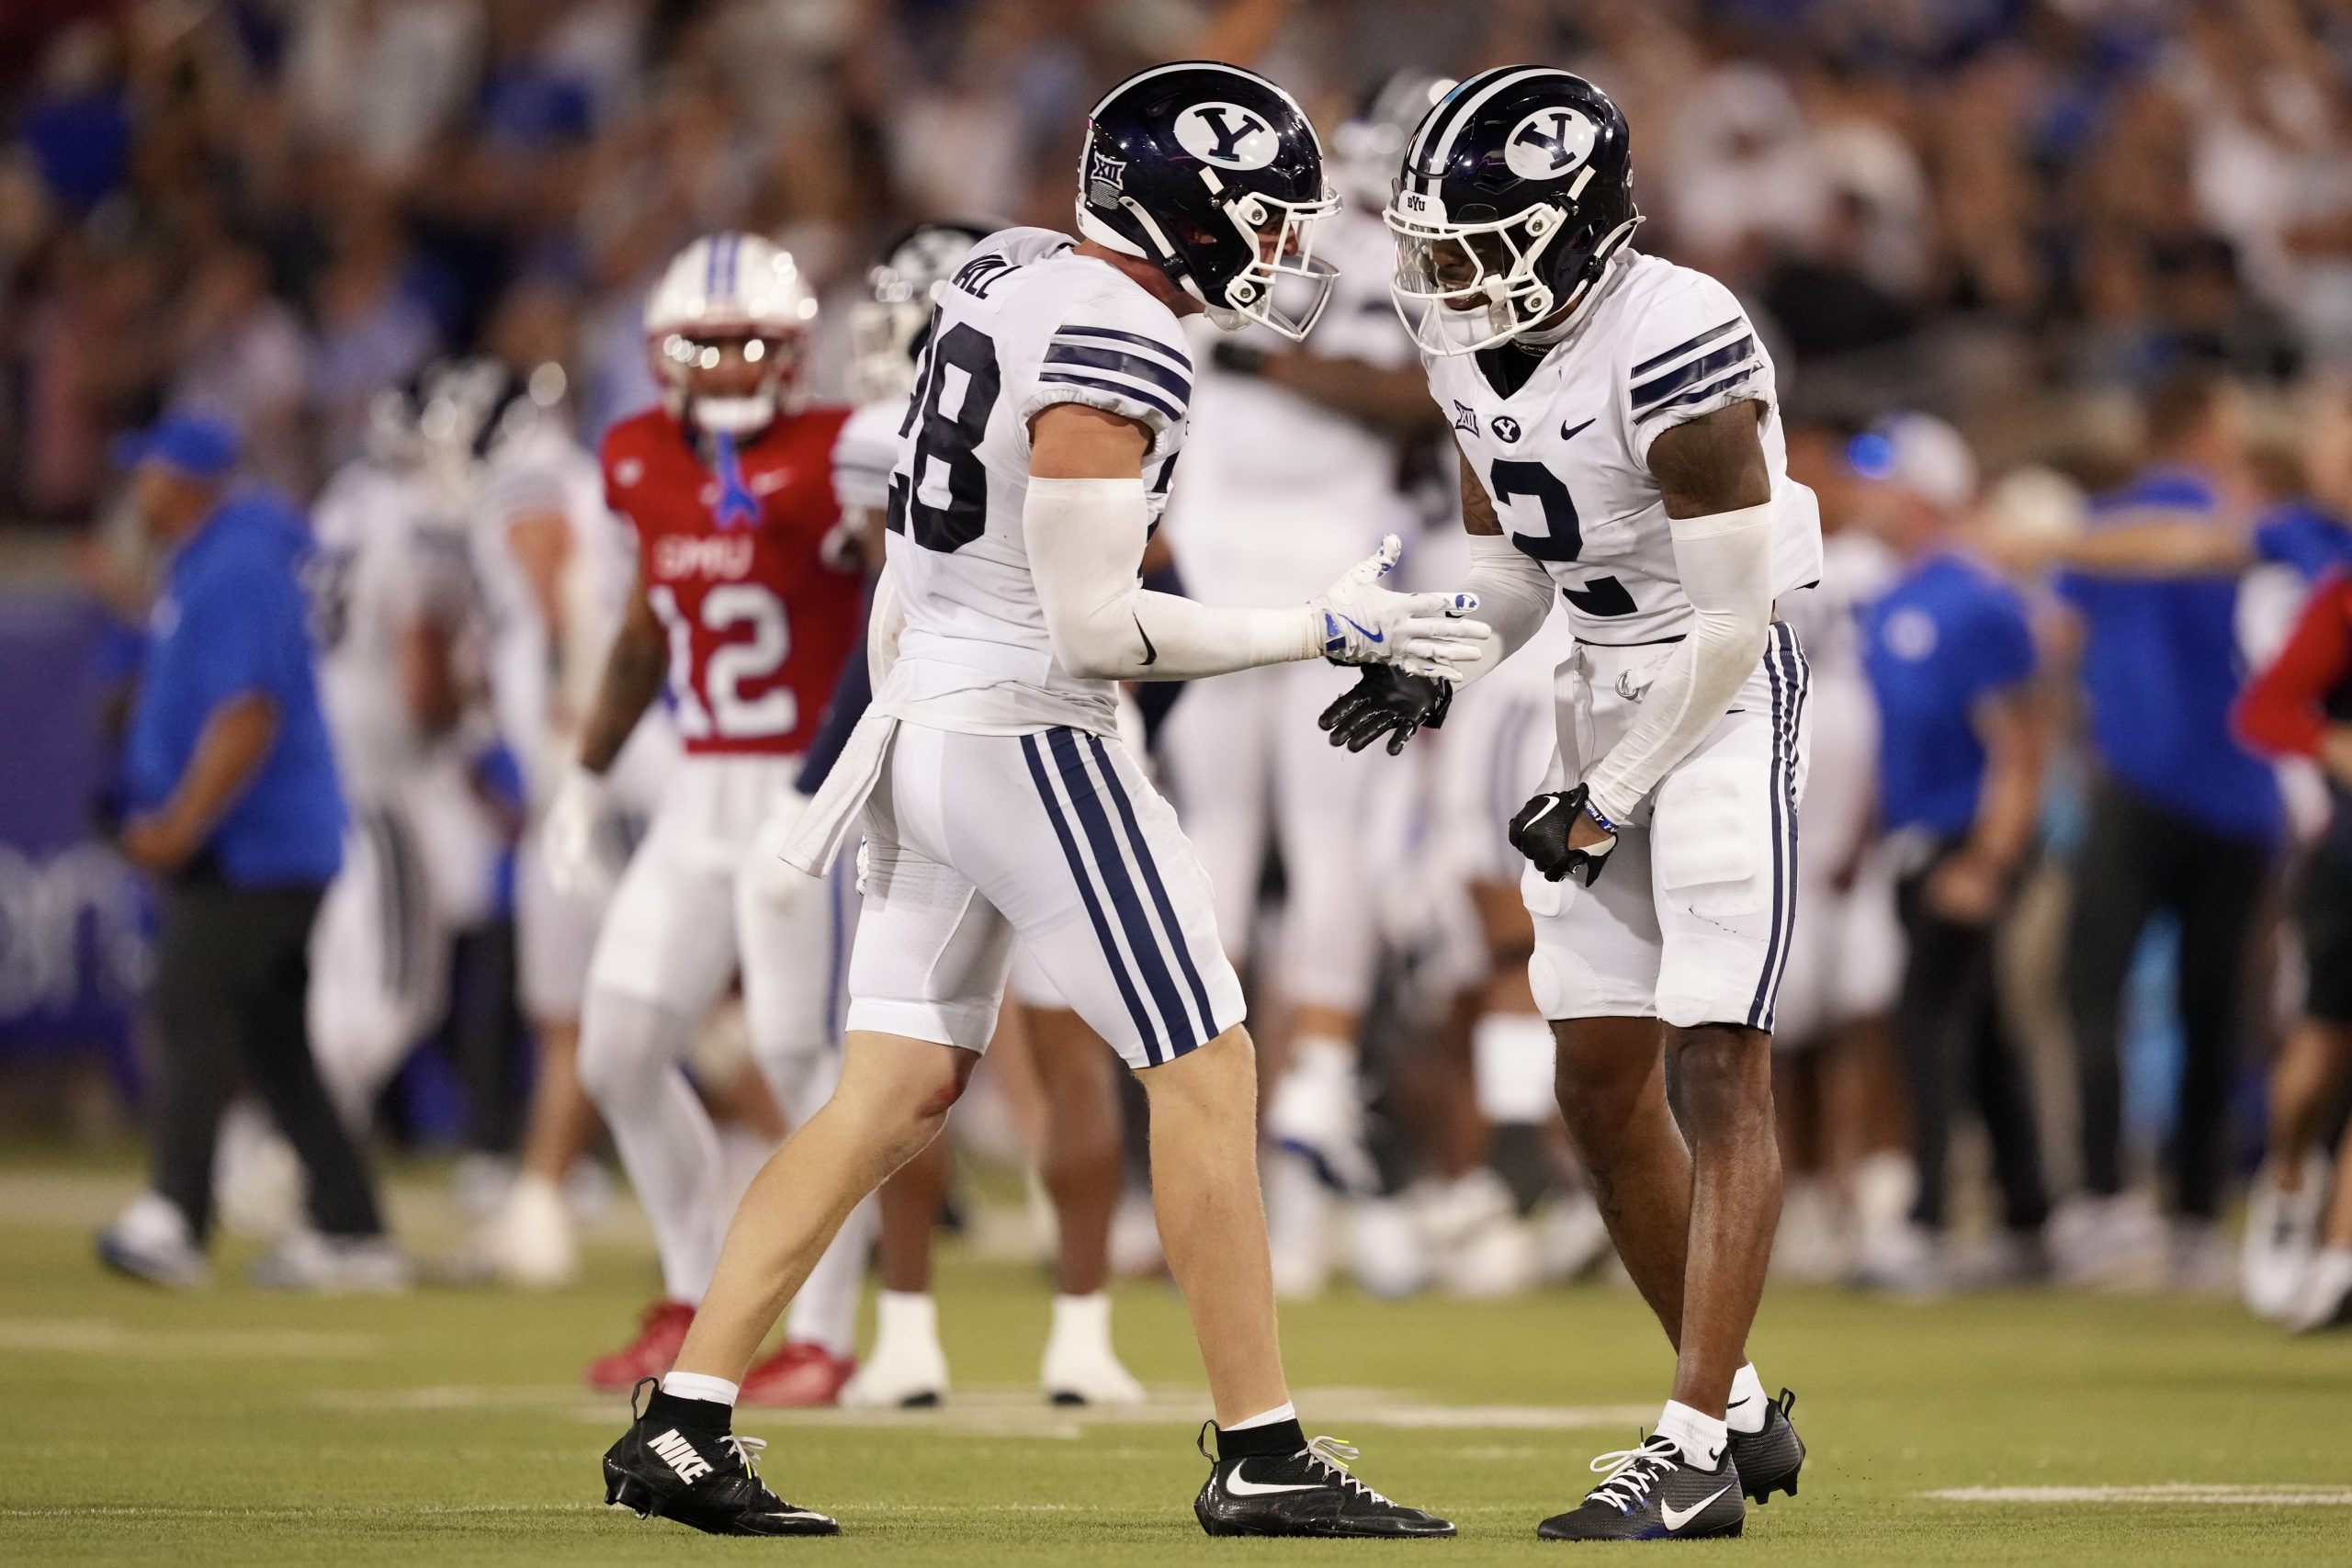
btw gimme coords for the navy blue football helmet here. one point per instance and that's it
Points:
(1213, 174)
(1516, 190)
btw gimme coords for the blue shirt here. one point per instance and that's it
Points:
(2162, 669)
(2302, 534)
(232, 620)
(1948, 633)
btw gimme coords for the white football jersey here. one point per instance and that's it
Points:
(381, 564)
(1564, 458)
(864, 453)
(1281, 494)
(537, 469)
(1024, 324)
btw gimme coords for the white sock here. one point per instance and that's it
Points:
(1700, 1437)
(904, 1314)
(824, 1311)
(1745, 1411)
(1086, 1318)
(695, 1385)
(1322, 1056)
(1285, 1411)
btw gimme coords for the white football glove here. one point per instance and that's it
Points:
(572, 836)
(1425, 633)
(779, 885)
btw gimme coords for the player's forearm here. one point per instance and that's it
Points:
(1396, 403)
(1514, 598)
(634, 671)
(1084, 538)
(1725, 565)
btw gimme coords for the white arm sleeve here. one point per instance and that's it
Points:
(1084, 537)
(1726, 562)
(1514, 597)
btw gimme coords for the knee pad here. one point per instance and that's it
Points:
(627, 1043)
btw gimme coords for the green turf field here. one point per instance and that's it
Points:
(446, 1429)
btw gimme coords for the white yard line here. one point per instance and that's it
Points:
(77, 1336)
(2260, 1496)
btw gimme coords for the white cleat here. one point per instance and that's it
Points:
(1484, 1252)
(2281, 1238)
(1571, 1238)
(1905, 1262)
(335, 1266)
(2325, 1301)
(257, 1178)
(1080, 1366)
(1385, 1249)
(2116, 1243)
(908, 1369)
(151, 1240)
(529, 1243)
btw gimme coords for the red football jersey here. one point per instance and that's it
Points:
(729, 551)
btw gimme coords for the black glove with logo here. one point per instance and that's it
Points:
(1540, 832)
(1386, 700)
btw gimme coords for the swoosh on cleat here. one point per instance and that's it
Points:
(1677, 1518)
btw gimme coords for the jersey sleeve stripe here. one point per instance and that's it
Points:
(1699, 394)
(1651, 393)
(1151, 399)
(1119, 362)
(1174, 355)
(1680, 349)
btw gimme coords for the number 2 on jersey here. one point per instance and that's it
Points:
(1562, 536)
(733, 664)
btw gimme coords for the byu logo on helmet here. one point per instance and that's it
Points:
(1549, 144)
(1226, 135)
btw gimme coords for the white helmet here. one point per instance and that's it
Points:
(722, 290)
(900, 287)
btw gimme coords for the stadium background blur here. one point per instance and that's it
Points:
(2020, 215)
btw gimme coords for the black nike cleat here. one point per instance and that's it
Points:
(1769, 1458)
(701, 1479)
(1309, 1492)
(1652, 1493)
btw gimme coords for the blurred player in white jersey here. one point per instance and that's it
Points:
(1080, 1161)
(1843, 1196)
(1291, 461)
(740, 609)
(555, 567)
(998, 803)
(400, 655)
(1622, 454)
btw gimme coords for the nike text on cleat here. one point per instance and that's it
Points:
(707, 1480)
(1770, 1457)
(1310, 1492)
(1652, 1493)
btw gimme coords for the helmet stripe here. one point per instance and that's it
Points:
(1143, 77)
(1472, 95)
(710, 267)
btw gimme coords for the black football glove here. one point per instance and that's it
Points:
(1540, 832)
(1386, 700)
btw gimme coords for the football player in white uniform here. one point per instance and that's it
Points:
(1291, 462)
(555, 566)
(1079, 1162)
(998, 802)
(1621, 452)
(399, 615)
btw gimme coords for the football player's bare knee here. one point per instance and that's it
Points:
(898, 1091)
(1218, 1075)
(1726, 1073)
(1607, 1071)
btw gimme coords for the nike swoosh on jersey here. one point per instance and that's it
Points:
(1241, 1486)
(1676, 1518)
(1150, 654)
(1568, 432)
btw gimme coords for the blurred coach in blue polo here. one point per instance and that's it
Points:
(1963, 734)
(2182, 818)
(232, 805)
